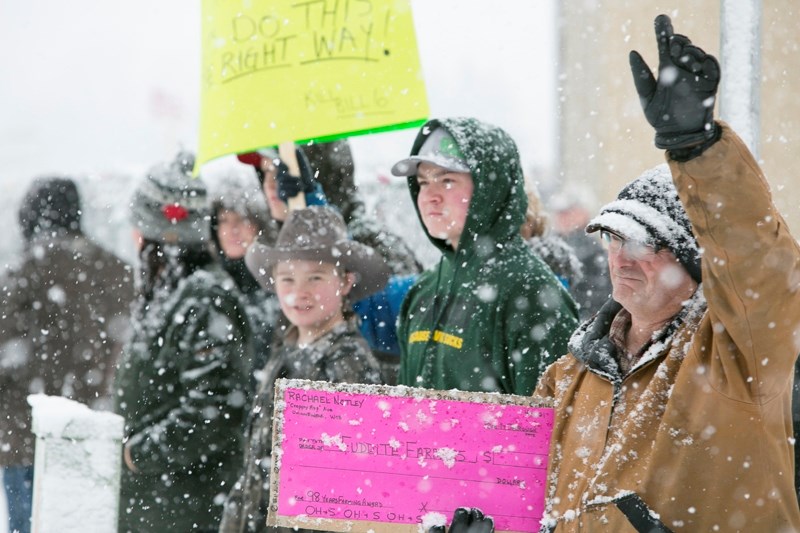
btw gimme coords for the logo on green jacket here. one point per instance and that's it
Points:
(448, 147)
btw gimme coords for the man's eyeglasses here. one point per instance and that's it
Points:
(638, 251)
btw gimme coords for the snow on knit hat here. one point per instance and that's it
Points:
(170, 206)
(648, 210)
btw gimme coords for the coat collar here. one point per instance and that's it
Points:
(591, 346)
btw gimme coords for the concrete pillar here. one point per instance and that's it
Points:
(740, 46)
(77, 466)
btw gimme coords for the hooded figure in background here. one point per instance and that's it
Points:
(182, 383)
(334, 169)
(65, 317)
(553, 250)
(490, 316)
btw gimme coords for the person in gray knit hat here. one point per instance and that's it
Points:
(170, 206)
(182, 382)
(239, 217)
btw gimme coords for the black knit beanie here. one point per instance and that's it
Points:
(51, 205)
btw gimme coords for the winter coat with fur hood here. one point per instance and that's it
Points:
(491, 315)
(700, 429)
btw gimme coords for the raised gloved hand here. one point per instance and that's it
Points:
(680, 104)
(467, 521)
(290, 186)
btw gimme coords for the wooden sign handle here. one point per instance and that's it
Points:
(287, 153)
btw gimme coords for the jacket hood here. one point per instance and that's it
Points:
(334, 169)
(498, 204)
(591, 345)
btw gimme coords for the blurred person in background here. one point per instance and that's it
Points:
(65, 317)
(570, 215)
(182, 382)
(278, 185)
(239, 217)
(553, 250)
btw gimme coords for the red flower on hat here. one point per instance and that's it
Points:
(175, 212)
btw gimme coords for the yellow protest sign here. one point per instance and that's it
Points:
(289, 70)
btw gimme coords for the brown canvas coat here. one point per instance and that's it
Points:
(701, 428)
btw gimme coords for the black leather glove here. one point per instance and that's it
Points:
(290, 186)
(467, 521)
(680, 104)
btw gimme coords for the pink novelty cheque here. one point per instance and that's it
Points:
(350, 457)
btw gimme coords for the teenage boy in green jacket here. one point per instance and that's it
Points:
(490, 316)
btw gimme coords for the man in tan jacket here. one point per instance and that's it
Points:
(673, 409)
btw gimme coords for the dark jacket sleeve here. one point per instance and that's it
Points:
(207, 418)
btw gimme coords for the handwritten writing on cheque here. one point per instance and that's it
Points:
(353, 457)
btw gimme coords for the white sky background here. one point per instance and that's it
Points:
(92, 86)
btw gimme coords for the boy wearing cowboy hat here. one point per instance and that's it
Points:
(315, 269)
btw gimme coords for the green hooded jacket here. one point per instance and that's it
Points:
(490, 316)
